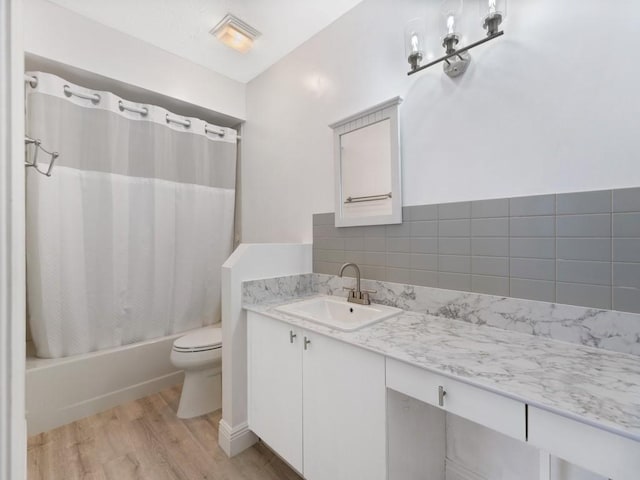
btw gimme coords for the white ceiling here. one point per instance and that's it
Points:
(182, 27)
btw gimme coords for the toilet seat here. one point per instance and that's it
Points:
(202, 340)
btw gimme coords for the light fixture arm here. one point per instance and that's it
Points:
(457, 53)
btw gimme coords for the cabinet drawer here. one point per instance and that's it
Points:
(602, 452)
(492, 410)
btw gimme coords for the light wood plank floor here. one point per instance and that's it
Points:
(145, 440)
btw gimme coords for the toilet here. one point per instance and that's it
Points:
(199, 354)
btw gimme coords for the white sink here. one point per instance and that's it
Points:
(336, 312)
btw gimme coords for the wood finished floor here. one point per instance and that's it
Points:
(145, 440)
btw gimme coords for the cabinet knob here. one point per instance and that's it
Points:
(292, 336)
(306, 343)
(441, 393)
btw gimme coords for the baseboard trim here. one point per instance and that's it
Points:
(457, 471)
(235, 440)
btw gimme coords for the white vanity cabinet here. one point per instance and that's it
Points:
(318, 402)
(275, 386)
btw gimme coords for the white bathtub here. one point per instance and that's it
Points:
(59, 391)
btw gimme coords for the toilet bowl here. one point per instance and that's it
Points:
(199, 354)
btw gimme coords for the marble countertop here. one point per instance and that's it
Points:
(594, 386)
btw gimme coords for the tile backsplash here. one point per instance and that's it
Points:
(573, 248)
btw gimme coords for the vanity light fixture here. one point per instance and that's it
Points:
(235, 33)
(456, 59)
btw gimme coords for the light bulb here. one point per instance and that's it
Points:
(492, 7)
(415, 43)
(451, 24)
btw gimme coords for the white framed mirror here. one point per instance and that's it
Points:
(367, 167)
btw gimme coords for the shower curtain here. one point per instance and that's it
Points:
(126, 238)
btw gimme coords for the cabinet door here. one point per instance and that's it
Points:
(275, 386)
(344, 411)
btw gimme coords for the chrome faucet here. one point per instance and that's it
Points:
(357, 295)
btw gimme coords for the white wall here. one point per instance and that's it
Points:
(549, 107)
(61, 35)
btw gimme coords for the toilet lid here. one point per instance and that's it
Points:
(203, 339)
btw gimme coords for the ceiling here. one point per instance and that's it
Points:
(182, 27)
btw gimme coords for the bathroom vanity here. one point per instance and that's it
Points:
(324, 399)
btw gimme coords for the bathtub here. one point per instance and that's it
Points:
(62, 390)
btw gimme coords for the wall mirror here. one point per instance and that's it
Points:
(367, 167)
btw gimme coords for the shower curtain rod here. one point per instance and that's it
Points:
(95, 98)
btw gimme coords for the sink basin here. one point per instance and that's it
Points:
(336, 312)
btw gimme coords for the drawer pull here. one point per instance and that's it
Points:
(291, 336)
(306, 342)
(441, 393)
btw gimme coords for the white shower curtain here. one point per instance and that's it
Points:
(126, 239)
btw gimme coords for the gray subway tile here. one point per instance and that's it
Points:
(490, 208)
(626, 200)
(490, 227)
(595, 249)
(354, 243)
(354, 256)
(398, 275)
(454, 246)
(598, 225)
(375, 244)
(584, 202)
(535, 205)
(452, 211)
(421, 261)
(335, 256)
(420, 212)
(626, 299)
(399, 244)
(539, 290)
(532, 226)
(532, 268)
(325, 231)
(378, 259)
(326, 268)
(626, 225)
(335, 243)
(321, 243)
(424, 278)
(351, 231)
(454, 281)
(542, 247)
(324, 219)
(578, 271)
(495, 266)
(424, 245)
(454, 263)
(399, 260)
(490, 285)
(428, 228)
(494, 247)
(399, 230)
(454, 228)
(595, 296)
(626, 275)
(375, 231)
(626, 249)
(372, 272)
